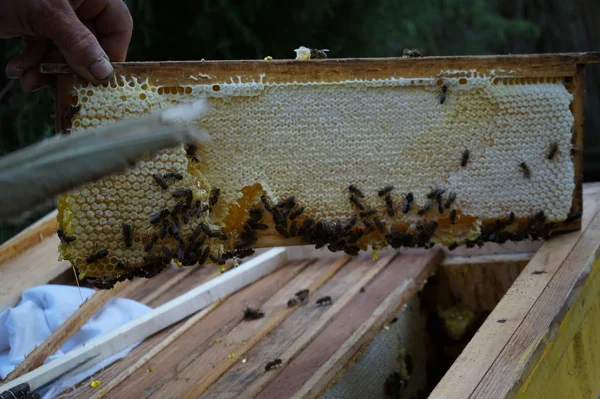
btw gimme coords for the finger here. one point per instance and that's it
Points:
(34, 49)
(113, 24)
(80, 47)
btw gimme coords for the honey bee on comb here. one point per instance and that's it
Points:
(412, 53)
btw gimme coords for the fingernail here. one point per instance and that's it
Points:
(14, 73)
(101, 69)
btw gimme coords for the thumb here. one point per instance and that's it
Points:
(80, 48)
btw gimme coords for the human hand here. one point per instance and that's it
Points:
(87, 34)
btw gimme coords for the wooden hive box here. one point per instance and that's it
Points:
(505, 320)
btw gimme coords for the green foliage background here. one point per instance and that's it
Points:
(226, 29)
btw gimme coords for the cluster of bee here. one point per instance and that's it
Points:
(191, 250)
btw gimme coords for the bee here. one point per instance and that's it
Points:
(260, 226)
(552, 151)
(540, 217)
(273, 364)
(465, 158)
(367, 213)
(256, 214)
(222, 236)
(202, 210)
(302, 295)
(443, 94)
(440, 206)
(355, 236)
(293, 229)
(384, 191)
(295, 213)
(160, 181)
(289, 202)
(168, 253)
(281, 230)
(177, 208)
(217, 261)
(154, 219)
(181, 252)
(173, 175)
(436, 193)
(379, 225)
(180, 192)
(453, 246)
(511, 218)
(103, 253)
(412, 53)
(292, 302)
(74, 110)
(306, 225)
(278, 217)
(525, 169)
(318, 54)
(407, 202)
(351, 250)
(190, 151)
(204, 256)
(253, 314)
(354, 190)
(351, 222)
(150, 244)
(123, 265)
(576, 215)
(450, 200)
(127, 235)
(354, 199)
(326, 300)
(64, 238)
(453, 216)
(267, 203)
(368, 224)
(425, 208)
(389, 203)
(165, 229)
(214, 196)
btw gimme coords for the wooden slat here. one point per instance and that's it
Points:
(409, 277)
(31, 236)
(214, 362)
(156, 320)
(174, 73)
(295, 333)
(300, 369)
(196, 340)
(189, 323)
(474, 362)
(35, 266)
(55, 341)
(527, 343)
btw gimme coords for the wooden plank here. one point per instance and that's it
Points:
(295, 332)
(216, 360)
(175, 73)
(570, 364)
(481, 352)
(154, 351)
(301, 368)
(55, 341)
(409, 278)
(31, 236)
(157, 319)
(35, 266)
(197, 339)
(539, 326)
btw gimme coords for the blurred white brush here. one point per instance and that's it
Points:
(31, 176)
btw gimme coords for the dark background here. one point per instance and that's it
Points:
(253, 29)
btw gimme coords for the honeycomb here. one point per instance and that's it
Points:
(310, 141)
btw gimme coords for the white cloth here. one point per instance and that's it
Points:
(42, 310)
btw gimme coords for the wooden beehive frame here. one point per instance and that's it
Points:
(567, 67)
